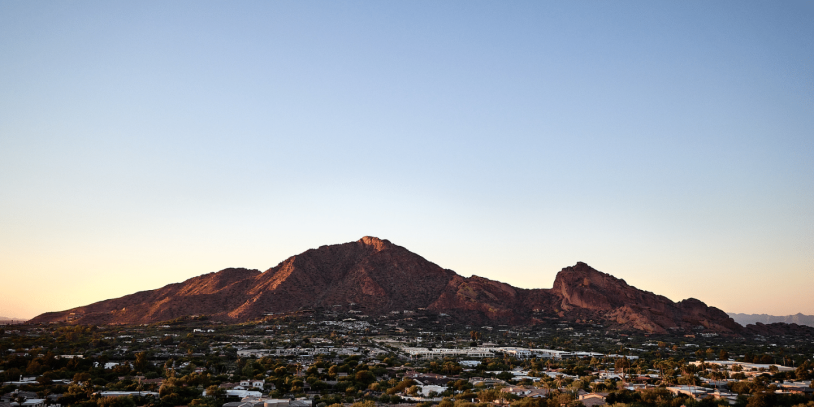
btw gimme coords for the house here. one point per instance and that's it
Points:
(488, 382)
(515, 351)
(747, 367)
(593, 399)
(731, 398)
(525, 391)
(268, 402)
(33, 403)
(23, 381)
(240, 393)
(426, 389)
(796, 388)
(126, 393)
(430, 378)
(248, 384)
(696, 392)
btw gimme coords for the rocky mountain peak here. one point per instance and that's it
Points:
(583, 276)
(376, 243)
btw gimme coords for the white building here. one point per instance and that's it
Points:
(248, 384)
(241, 393)
(426, 389)
(126, 393)
(746, 366)
(424, 353)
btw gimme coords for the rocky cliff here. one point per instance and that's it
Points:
(582, 289)
(378, 276)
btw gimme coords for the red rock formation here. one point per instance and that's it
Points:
(380, 277)
(582, 288)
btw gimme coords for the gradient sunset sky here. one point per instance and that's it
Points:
(667, 143)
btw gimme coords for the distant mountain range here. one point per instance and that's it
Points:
(376, 277)
(799, 319)
(12, 319)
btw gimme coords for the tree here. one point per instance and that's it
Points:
(688, 379)
(216, 392)
(81, 377)
(559, 380)
(365, 377)
(141, 361)
(565, 399)
(504, 376)
(451, 367)
(249, 370)
(622, 365)
(664, 367)
(801, 373)
(488, 396)
(758, 400)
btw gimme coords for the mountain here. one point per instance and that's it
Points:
(4, 319)
(377, 277)
(799, 319)
(779, 328)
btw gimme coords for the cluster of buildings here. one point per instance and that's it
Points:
(492, 351)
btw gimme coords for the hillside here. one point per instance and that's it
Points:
(378, 277)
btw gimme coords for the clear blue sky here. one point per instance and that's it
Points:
(667, 143)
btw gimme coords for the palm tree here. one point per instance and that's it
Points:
(620, 365)
(558, 379)
(546, 384)
(595, 387)
(663, 366)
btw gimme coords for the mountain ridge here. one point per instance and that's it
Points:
(380, 277)
(798, 318)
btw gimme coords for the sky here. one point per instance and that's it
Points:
(670, 144)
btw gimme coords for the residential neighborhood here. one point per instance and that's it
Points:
(332, 359)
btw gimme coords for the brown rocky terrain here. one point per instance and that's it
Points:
(378, 277)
